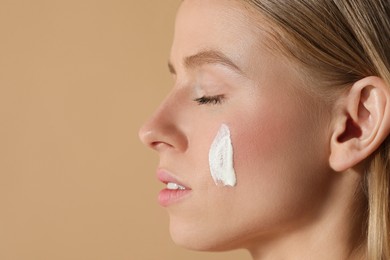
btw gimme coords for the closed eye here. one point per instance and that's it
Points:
(210, 100)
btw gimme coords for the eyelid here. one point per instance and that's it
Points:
(210, 100)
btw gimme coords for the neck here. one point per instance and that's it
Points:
(335, 233)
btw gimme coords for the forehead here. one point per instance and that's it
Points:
(223, 25)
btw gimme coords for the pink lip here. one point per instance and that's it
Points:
(167, 197)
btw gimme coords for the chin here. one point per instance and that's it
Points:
(190, 238)
(200, 238)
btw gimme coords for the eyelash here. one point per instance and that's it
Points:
(210, 100)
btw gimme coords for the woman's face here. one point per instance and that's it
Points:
(278, 133)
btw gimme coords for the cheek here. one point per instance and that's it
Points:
(281, 170)
(278, 174)
(264, 138)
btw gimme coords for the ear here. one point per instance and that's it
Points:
(360, 123)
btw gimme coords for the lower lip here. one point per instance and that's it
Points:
(168, 197)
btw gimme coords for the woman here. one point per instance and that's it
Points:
(274, 137)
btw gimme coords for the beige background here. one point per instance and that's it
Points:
(77, 79)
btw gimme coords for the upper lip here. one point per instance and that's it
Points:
(166, 177)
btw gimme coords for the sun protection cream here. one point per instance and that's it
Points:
(221, 158)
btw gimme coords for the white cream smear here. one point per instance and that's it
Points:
(221, 158)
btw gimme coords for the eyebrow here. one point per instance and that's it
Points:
(206, 57)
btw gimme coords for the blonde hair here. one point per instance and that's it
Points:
(341, 42)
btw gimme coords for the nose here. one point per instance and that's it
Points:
(162, 131)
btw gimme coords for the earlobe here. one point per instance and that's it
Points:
(361, 123)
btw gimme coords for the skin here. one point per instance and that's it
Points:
(288, 203)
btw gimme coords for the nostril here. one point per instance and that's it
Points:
(152, 138)
(160, 139)
(158, 145)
